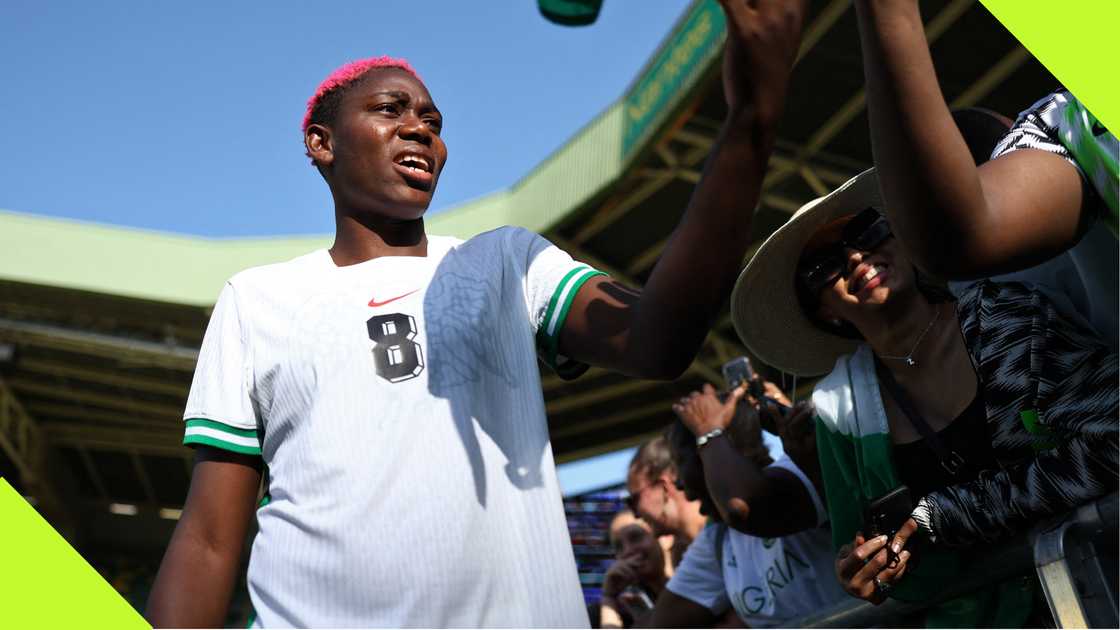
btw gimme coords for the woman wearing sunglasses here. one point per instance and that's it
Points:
(992, 410)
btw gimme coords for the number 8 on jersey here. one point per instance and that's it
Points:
(396, 356)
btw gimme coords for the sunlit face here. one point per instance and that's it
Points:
(869, 277)
(634, 543)
(385, 150)
(649, 498)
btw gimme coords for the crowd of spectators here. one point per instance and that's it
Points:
(958, 303)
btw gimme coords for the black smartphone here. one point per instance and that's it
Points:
(739, 370)
(885, 514)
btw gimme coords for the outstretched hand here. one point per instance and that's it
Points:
(763, 37)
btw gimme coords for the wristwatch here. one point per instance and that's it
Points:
(707, 437)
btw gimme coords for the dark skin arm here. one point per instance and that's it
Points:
(656, 332)
(957, 220)
(199, 569)
(766, 502)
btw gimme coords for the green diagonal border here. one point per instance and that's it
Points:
(44, 583)
(1077, 42)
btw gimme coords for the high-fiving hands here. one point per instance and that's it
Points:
(763, 37)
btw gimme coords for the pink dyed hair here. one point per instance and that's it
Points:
(351, 72)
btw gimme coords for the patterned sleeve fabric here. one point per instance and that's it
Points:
(1036, 128)
(1062, 125)
(1050, 393)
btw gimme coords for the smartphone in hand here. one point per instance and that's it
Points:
(885, 514)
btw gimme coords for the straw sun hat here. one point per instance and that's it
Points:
(764, 306)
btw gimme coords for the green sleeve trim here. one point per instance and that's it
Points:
(225, 428)
(548, 335)
(216, 443)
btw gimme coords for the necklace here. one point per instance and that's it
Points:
(909, 358)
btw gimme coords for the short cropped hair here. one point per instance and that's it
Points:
(322, 107)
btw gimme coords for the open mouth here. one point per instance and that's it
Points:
(416, 169)
(868, 279)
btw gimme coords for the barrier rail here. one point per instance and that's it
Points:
(1074, 555)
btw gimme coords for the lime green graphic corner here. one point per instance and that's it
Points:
(1076, 41)
(44, 583)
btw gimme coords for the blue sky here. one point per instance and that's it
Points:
(185, 117)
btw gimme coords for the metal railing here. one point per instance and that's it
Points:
(1074, 556)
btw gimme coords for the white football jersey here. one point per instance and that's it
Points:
(398, 407)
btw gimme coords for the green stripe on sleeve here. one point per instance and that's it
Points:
(548, 335)
(555, 299)
(216, 443)
(219, 426)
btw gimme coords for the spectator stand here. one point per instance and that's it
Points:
(589, 518)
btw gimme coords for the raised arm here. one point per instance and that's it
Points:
(957, 220)
(199, 569)
(655, 333)
(767, 502)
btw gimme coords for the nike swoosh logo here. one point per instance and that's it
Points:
(375, 303)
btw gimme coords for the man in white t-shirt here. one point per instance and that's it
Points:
(767, 554)
(389, 384)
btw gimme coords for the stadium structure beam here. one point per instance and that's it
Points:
(777, 159)
(781, 202)
(836, 123)
(166, 443)
(599, 394)
(995, 75)
(819, 188)
(68, 412)
(103, 377)
(20, 436)
(619, 417)
(102, 400)
(617, 207)
(22, 439)
(123, 349)
(91, 470)
(676, 166)
(142, 474)
(825, 20)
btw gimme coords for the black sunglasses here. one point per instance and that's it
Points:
(865, 232)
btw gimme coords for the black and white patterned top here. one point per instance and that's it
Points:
(1050, 393)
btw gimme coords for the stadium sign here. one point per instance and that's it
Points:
(672, 72)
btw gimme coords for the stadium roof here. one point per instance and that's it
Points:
(106, 336)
